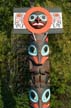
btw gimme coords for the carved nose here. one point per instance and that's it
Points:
(40, 104)
(37, 19)
(39, 60)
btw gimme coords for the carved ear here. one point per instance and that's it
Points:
(32, 36)
(46, 37)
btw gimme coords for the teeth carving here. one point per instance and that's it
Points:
(35, 24)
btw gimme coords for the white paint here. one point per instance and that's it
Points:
(56, 20)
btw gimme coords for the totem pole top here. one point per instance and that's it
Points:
(37, 20)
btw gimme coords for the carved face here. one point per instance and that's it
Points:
(37, 20)
(39, 98)
(38, 49)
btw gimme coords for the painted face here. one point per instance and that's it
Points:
(39, 49)
(18, 20)
(39, 98)
(37, 20)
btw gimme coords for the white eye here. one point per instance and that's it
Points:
(45, 50)
(46, 96)
(32, 17)
(43, 17)
(33, 96)
(32, 50)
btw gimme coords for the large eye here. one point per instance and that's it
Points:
(32, 17)
(43, 17)
(46, 96)
(32, 50)
(33, 96)
(45, 50)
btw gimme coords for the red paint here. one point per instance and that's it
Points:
(43, 59)
(37, 9)
(46, 39)
(35, 59)
(45, 105)
(35, 105)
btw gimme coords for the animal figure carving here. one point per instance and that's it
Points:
(36, 22)
(39, 67)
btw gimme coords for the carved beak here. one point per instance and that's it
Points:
(40, 105)
(39, 60)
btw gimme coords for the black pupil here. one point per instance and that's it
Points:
(47, 94)
(32, 95)
(32, 17)
(45, 49)
(32, 49)
(43, 17)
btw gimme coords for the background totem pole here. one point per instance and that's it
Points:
(38, 22)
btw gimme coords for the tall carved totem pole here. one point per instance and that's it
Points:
(38, 22)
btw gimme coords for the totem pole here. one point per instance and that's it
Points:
(38, 22)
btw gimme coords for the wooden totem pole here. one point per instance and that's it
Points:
(38, 22)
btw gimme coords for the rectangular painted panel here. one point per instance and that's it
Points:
(19, 26)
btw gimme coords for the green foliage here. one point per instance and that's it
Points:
(1, 102)
(22, 101)
(60, 57)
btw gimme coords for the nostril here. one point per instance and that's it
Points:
(37, 19)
